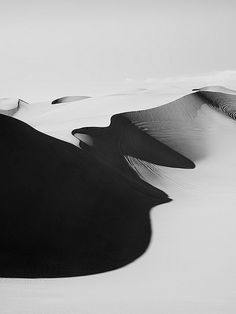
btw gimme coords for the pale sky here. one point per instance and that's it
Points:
(56, 48)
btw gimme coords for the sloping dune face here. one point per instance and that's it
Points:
(9, 106)
(68, 99)
(199, 127)
(71, 212)
(221, 99)
(183, 125)
(176, 124)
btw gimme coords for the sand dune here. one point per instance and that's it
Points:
(198, 126)
(190, 126)
(59, 121)
(221, 99)
(93, 203)
(100, 231)
(66, 212)
(9, 106)
(216, 89)
(51, 225)
(68, 99)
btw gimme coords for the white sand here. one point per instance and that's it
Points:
(189, 267)
(60, 119)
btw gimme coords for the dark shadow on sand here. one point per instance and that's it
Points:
(71, 212)
(68, 99)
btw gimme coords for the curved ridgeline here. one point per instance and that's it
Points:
(221, 99)
(9, 106)
(68, 99)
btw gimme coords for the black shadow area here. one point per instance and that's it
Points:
(66, 211)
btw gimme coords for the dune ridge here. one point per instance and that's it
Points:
(9, 106)
(221, 99)
(81, 211)
(182, 125)
(68, 99)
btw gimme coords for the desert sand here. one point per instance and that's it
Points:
(181, 259)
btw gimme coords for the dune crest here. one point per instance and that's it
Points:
(220, 98)
(216, 89)
(68, 99)
(9, 106)
(189, 126)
